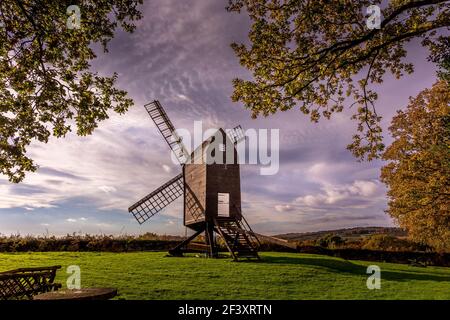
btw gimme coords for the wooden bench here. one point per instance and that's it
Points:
(24, 283)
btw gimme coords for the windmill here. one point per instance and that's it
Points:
(210, 186)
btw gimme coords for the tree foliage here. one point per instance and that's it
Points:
(440, 54)
(418, 169)
(315, 55)
(46, 86)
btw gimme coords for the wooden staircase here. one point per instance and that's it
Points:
(239, 239)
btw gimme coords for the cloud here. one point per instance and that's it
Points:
(345, 195)
(107, 189)
(183, 97)
(284, 208)
(29, 201)
(364, 188)
(104, 225)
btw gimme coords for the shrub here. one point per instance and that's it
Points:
(390, 243)
(330, 241)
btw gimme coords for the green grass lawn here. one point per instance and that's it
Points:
(152, 275)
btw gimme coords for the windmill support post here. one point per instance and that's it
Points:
(211, 241)
(177, 251)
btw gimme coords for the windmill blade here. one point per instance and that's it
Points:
(165, 126)
(158, 199)
(236, 134)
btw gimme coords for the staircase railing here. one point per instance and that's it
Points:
(230, 249)
(246, 227)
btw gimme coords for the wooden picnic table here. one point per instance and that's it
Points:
(78, 294)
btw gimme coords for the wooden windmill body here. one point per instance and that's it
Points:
(210, 184)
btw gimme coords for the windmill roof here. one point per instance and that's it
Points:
(203, 146)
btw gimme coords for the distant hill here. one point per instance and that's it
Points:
(349, 234)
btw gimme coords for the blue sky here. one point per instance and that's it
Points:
(180, 54)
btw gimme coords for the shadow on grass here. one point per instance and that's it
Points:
(345, 266)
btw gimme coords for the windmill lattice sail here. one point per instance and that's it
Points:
(236, 134)
(165, 126)
(158, 199)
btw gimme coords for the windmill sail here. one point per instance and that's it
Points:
(165, 126)
(158, 199)
(236, 134)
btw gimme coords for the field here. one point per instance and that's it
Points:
(152, 275)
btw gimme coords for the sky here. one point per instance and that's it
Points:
(180, 54)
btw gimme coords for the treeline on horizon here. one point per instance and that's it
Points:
(375, 247)
(154, 242)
